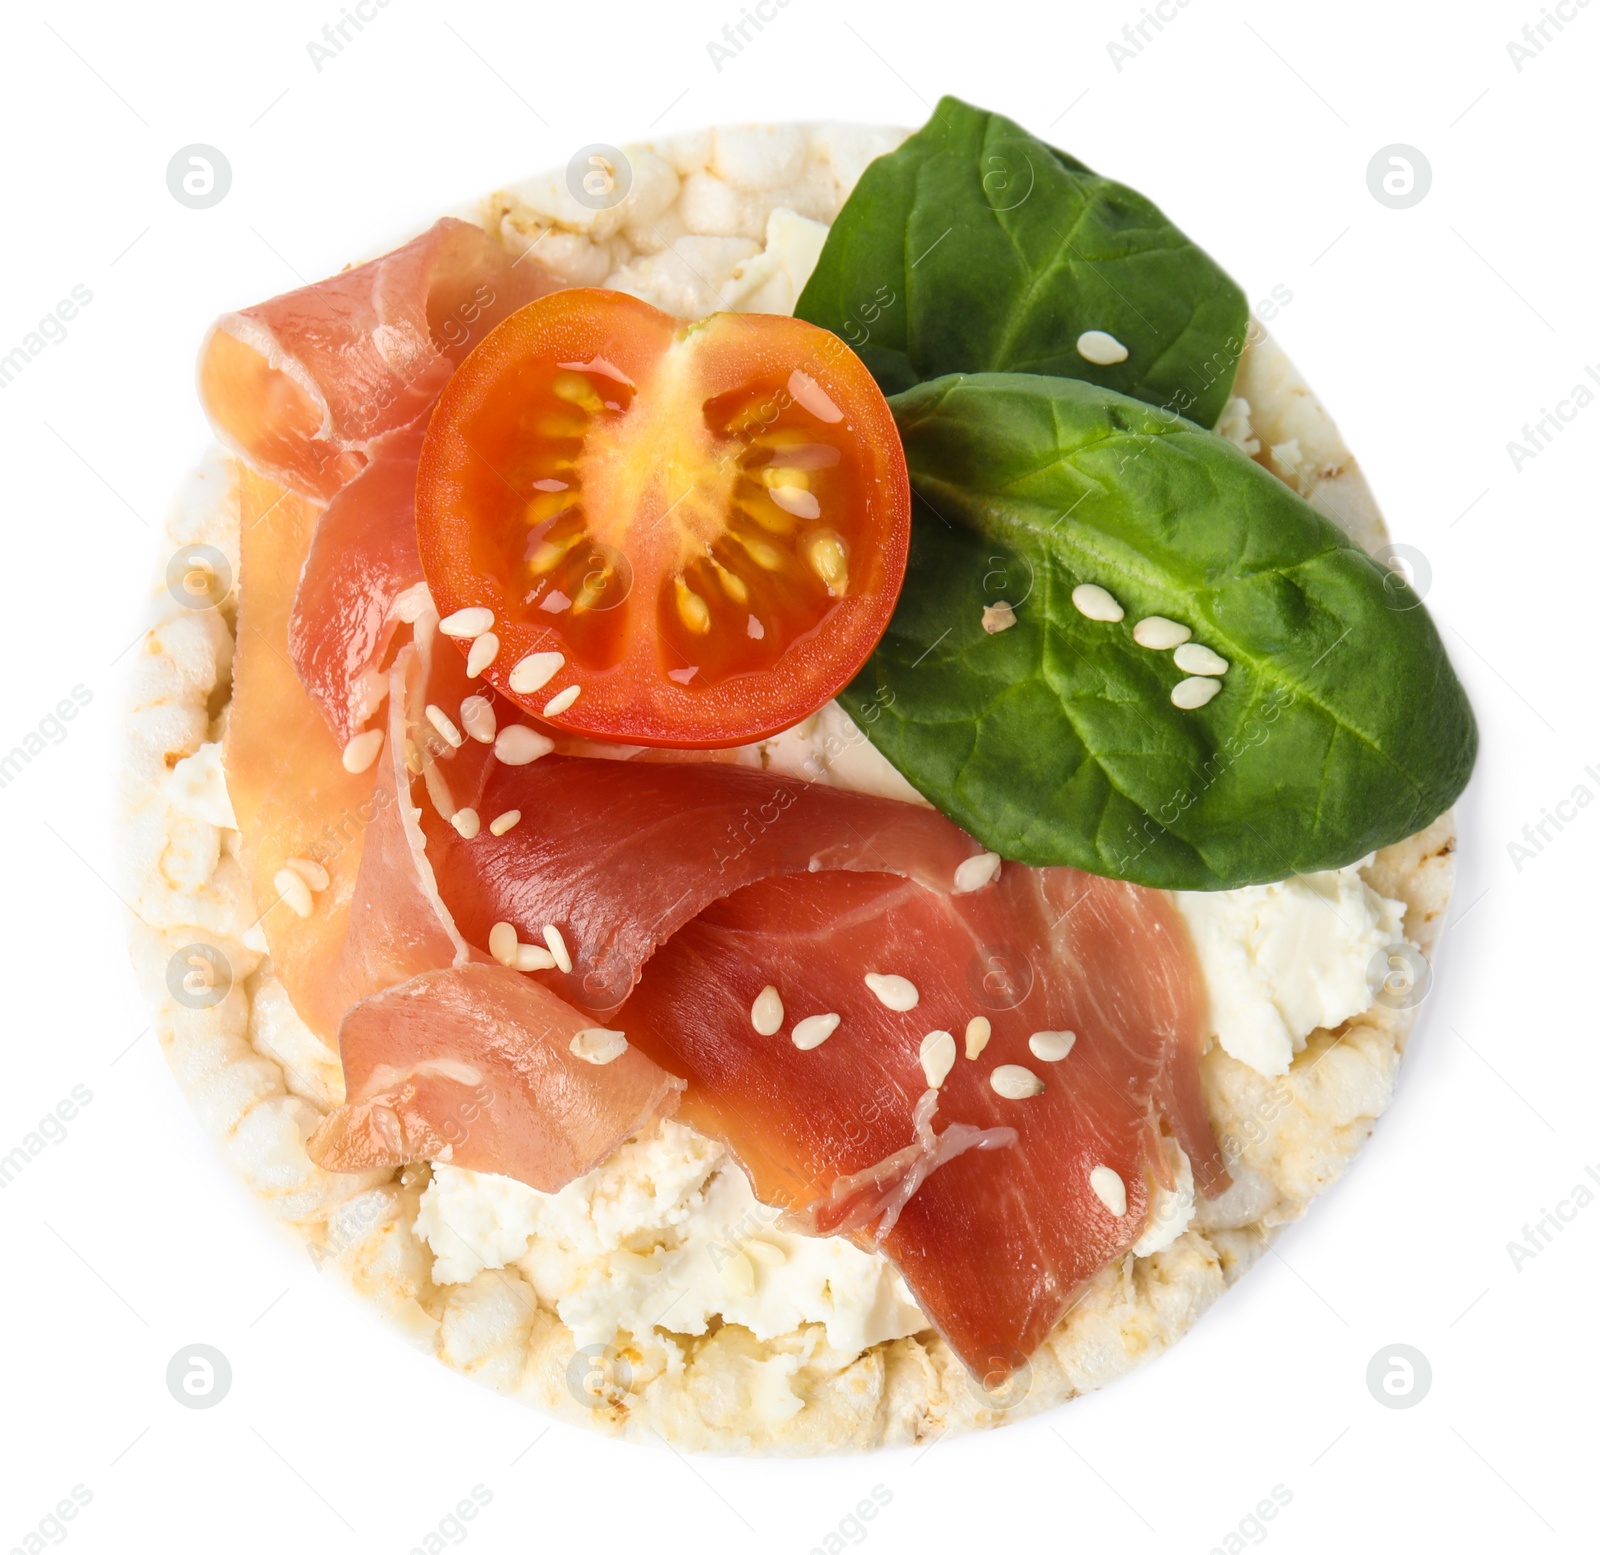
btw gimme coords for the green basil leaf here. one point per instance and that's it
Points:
(1340, 726)
(975, 247)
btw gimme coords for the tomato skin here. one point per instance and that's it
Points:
(707, 523)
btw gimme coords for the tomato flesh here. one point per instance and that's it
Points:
(708, 523)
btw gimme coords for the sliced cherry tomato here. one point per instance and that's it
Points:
(688, 534)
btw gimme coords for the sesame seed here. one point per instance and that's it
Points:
(1159, 633)
(466, 822)
(558, 947)
(1051, 1047)
(1195, 692)
(471, 622)
(1015, 1083)
(503, 943)
(362, 750)
(766, 1014)
(998, 617)
(938, 1055)
(810, 395)
(516, 745)
(448, 732)
(973, 874)
(1093, 601)
(1197, 659)
(503, 823)
(533, 672)
(294, 891)
(978, 1033)
(481, 654)
(597, 1045)
(1095, 345)
(768, 1253)
(533, 958)
(739, 1275)
(813, 1031)
(894, 993)
(561, 701)
(310, 871)
(477, 718)
(1110, 1189)
(796, 500)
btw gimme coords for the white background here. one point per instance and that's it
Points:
(1434, 333)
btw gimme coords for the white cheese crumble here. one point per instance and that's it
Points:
(771, 281)
(828, 748)
(1290, 461)
(1171, 1209)
(197, 789)
(661, 1236)
(1235, 426)
(1282, 960)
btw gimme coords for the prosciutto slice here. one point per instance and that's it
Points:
(446, 1055)
(474, 1065)
(304, 385)
(327, 391)
(360, 573)
(621, 855)
(398, 925)
(291, 794)
(295, 800)
(697, 886)
(999, 1234)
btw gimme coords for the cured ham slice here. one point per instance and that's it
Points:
(378, 919)
(474, 1065)
(327, 389)
(398, 926)
(359, 575)
(708, 883)
(303, 385)
(445, 1055)
(620, 855)
(996, 1241)
(292, 797)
